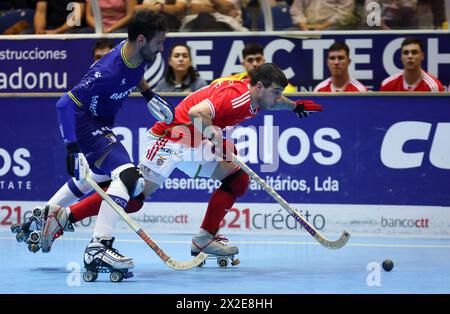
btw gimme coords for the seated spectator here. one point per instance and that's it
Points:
(102, 47)
(16, 16)
(413, 78)
(253, 58)
(51, 16)
(180, 75)
(323, 14)
(214, 15)
(173, 11)
(397, 14)
(115, 15)
(338, 61)
(431, 14)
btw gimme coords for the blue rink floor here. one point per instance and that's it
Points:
(269, 265)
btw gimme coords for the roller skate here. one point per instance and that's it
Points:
(101, 257)
(215, 248)
(56, 222)
(30, 231)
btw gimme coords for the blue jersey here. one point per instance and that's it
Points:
(108, 82)
(101, 92)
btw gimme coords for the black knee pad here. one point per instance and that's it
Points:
(104, 184)
(236, 183)
(133, 181)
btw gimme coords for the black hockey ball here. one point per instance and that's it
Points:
(388, 265)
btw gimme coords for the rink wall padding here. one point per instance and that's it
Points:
(372, 164)
(42, 63)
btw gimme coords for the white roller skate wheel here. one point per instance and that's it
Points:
(89, 276)
(116, 276)
(222, 262)
(235, 262)
(37, 212)
(35, 236)
(15, 228)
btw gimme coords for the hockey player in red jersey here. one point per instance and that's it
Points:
(338, 60)
(413, 78)
(194, 144)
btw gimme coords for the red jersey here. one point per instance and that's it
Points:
(397, 83)
(352, 85)
(228, 100)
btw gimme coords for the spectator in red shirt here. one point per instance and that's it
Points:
(338, 61)
(413, 78)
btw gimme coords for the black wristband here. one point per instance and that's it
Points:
(148, 94)
(72, 148)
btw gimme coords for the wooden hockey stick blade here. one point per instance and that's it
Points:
(291, 210)
(152, 244)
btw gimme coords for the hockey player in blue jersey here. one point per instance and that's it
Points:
(86, 115)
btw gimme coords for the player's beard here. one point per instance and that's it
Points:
(148, 56)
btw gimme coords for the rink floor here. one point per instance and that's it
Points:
(269, 265)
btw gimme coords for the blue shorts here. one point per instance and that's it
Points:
(96, 139)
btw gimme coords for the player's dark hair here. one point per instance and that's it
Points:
(170, 75)
(267, 74)
(412, 40)
(339, 45)
(147, 23)
(103, 43)
(252, 49)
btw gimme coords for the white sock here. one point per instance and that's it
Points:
(65, 196)
(107, 217)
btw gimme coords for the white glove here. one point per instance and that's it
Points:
(81, 167)
(161, 109)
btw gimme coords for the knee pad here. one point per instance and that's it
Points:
(134, 205)
(133, 181)
(236, 183)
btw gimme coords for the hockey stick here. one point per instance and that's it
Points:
(291, 210)
(152, 244)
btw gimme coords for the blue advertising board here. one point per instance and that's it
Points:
(55, 65)
(368, 149)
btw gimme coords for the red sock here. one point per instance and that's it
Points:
(220, 202)
(91, 205)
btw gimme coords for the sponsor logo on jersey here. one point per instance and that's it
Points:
(93, 105)
(88, 83)
(118, 96)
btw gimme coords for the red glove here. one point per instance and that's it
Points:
(306, 107)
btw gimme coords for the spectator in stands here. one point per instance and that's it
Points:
(214, 15)
(53, 17)
(323, 14)
(16, 16)
(115, 15)
(172, 10)
(338, 61)
(253, 58)
(102, 47)
(180, 75)
(397, 14)
(413, 78)
(431, 14)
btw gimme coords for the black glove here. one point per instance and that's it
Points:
(306, 107)
(71, 159)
